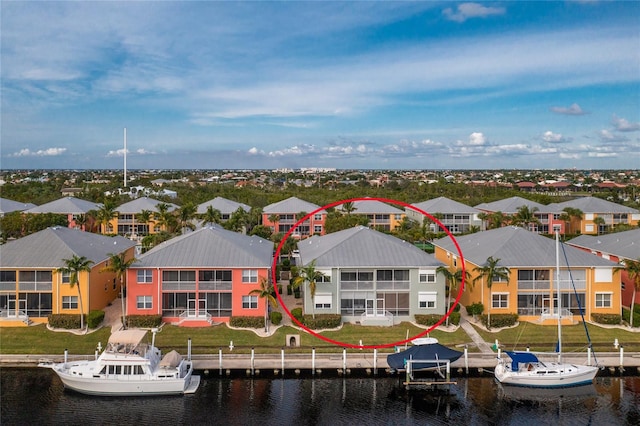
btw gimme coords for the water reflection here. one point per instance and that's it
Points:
(36, 396)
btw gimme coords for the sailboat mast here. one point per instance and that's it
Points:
(559, 298)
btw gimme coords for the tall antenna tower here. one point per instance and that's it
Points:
(125, 157)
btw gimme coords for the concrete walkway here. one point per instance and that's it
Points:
(483, 346)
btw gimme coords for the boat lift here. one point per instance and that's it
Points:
(412, 382)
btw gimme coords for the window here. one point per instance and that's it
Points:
(317, 229)
(317, 216)
(603, 300)
(249, 275)
(322, 301)
(604, 275)
(427, 300)
(427, 277)
(249, 302)
(144, 302)
(66, 277)
(69, 302)
(500, 300)
(145, 275)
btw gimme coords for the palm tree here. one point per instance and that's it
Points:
(186, 213)
(274, 218)
(525, 216)
(491, 271)
(572, 213)
(73, 267)
(211, 216)
(310, 276)
(119, 265)
(163, 216)
(496, 220)
(105, 214)
(599, 221)
(453, 280)
(144, 217)
(348, 207)
(266, 292)
(632, 267)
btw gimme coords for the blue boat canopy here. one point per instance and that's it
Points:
(431, 352)
(518, 358)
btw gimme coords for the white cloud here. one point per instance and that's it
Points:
(623, 125)
(551, 137)
(477, 138)
(117, 153)
(49, 152)
(466, 11)
(574, 109)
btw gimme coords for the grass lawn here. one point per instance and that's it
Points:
(544, 338)
(208, 340)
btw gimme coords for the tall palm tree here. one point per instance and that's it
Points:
(105, 214)
(73, 267)
(599, 222)
(496, 220)
(266, 292)
(492, 272)
(572, 213)
(211, 216)
(274, 219)
(163, 216)
(632, 267)
(119, 265)
(525, 216)
(185, 214)
(309, 275)
(144, 217)
(453, 279)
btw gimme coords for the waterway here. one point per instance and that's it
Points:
(31, 396)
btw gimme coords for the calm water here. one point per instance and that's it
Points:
(36, 396)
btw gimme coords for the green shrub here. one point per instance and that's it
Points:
(289, 290)
(275, 317)
(66, 321)
(454, 318)
(500, 320)
(475, 309)
(95, 318)
(609, 319)
(246, 322)
(428, 320)
(297, 314)
(144, 321)
(322, 321)
(626, 315)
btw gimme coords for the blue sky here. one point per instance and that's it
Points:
(390, 85)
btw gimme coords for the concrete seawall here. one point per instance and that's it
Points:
(346, 363)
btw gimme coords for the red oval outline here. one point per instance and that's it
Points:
(350, 345)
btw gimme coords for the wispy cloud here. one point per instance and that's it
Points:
(49, 152)
(465, 11)
(623, 125)
(554, 138)
(574, 109)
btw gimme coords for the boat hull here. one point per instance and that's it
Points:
(574, 376)
(115, 387)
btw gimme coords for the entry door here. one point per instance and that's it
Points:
(369, 308)
(11, 306)
(202, 307)
(191, 308)
(380, 307)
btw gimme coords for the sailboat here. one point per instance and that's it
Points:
(525, 369)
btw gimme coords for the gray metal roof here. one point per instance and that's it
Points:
(142, 203)
(445, 205)
(372, 206)
(8, 206)
(590, 205)
(223, 205)
(66, 205)
(48, 248)
(621, 244)
(509, 205)
(361, 246)
(211, 246)
(291, 205)
(517, 247)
